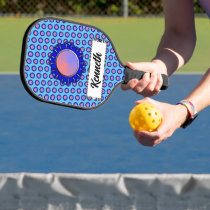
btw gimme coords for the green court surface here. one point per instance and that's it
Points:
(136, 39)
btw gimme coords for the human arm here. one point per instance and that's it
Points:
(174, 50)
(175, 115)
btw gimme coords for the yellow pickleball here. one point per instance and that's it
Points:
(145, 117)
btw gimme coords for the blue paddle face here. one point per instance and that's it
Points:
(69, 64)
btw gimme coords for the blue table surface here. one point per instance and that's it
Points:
(41, 137)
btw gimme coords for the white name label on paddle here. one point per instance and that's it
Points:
(96, 71)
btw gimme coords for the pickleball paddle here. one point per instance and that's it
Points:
(72, 64)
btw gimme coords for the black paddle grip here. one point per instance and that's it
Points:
(137, 74)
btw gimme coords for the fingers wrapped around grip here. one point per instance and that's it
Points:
(138, 74)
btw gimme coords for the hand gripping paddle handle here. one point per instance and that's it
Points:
(137, 74)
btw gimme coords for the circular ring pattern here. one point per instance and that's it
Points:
(58, 72)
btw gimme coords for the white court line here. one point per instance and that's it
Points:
(188, 73)
(9, 73)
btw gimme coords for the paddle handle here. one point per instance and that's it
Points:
(137, 74)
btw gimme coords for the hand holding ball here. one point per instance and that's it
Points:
(145, 117)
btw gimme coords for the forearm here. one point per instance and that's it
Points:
(174, 51)
(200, 96)
(178, 41)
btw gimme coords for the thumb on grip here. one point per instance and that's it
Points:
(137, 74)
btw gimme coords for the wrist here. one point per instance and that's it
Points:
(183, 114)
(192, 112)
(162, 66)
